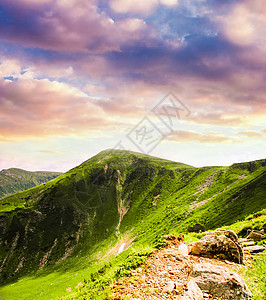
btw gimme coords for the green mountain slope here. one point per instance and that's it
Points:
(66, 225)
(16, 180)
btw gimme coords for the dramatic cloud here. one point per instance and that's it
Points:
(93, 68)
(64, 26)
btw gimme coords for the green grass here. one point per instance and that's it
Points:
(79, 214)
(15, 180)
(255, 277)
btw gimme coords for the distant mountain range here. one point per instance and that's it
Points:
(115, 196)
(16, 180)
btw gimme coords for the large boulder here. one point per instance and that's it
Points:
(220, 282)
(220, 244)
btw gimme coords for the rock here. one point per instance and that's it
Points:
(169, 287)
(256, 236)
(193, 291)
(254, 249)
(220, 281)
(183, 249)
(196, 228)
(228, 233)
(222, 244)
(248, 244)
(242, 240)
(175, 253)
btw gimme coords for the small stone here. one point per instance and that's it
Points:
(254, 249)
(242, 240)
(169, 287)
(183, 249)
(256, 236)
(248, 244)
(179, 286)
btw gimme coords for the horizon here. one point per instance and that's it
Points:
(169, 78)
(186, 163)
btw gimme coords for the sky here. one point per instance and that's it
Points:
(179, 79)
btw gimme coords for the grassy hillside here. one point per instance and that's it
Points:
(69, 230)
(16, 180)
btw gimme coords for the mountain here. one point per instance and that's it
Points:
(115, 198)
(15, 180)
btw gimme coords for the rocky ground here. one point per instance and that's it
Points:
(171, 273)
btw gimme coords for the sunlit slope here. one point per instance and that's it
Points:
(117, 193)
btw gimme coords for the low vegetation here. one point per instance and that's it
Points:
(16, 180)
(65, 234)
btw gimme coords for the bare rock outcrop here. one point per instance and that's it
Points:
(220, 282)
(221, 244)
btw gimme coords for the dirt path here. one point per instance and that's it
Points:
(163, 276)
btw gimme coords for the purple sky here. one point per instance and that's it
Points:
(80, 76)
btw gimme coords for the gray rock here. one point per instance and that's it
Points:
(221, 244)
(242, 240)
(256, 236)
(220, 282)
(254, 249)
(248, 244)
(228, 233)
(193, 291)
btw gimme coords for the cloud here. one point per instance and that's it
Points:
(251, 134)
(245, 24)
(9, 67)
(139, 6)
(133, 6)
(77, 26)
(131, 64)
(169, 2)
(50, 151)
(182, 136)
(38, 108)
(238, 26)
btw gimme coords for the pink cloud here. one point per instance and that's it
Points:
(31, 107)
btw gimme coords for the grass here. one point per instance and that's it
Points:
(255, 276)
(15, 180)
(115, 197)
